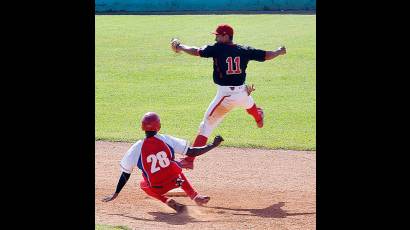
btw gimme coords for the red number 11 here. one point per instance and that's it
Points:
(237, 70)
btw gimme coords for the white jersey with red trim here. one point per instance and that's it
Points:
(155, 156)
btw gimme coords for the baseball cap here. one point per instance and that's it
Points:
(223, 29)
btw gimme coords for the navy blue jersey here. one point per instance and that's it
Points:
(230, 62)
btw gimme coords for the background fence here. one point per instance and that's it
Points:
(200, 5)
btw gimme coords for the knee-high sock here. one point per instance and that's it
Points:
(187, 187)
(253, 111)
(199, 141)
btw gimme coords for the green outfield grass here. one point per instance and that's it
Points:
(108, 227)
(136, 72)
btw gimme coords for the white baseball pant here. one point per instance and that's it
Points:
(226, 99)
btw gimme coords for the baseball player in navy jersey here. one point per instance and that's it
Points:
(155, 157)
(229, 63)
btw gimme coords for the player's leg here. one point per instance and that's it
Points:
(159, 194)
(150, 191)
(205, 129)
(187, 187)
(212, 117)
(208, 125)
(190, 191)
(201, 139)
(256, 112)
(243, 100)
(188, 162)
(203, 133)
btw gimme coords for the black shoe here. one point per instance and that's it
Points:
(176, 206)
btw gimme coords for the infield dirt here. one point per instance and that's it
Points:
(249, 189)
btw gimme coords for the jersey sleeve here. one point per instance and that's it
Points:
(207, 51)
(255, 54)
(179, 145)
(130, 159)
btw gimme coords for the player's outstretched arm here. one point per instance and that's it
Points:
(177, 47)
(196, 151)
(123, 180)
(192, 50)
(272, 54)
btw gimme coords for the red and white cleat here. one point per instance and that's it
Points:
(201, 200)
(186, 164)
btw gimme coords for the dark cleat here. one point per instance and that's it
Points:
(176, 206)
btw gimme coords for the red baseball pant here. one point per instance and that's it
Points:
(158, 193)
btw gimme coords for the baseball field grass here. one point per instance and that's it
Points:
(109, 227)
(136, 72)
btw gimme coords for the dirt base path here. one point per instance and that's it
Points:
(249, 189)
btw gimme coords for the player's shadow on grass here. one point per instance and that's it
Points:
(273, 211)
(169, 218)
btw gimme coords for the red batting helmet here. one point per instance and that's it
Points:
(150, 122)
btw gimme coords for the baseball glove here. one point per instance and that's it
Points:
(175, 42)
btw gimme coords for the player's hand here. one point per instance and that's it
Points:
(110, 198)
(250, 89)
(175, 45)
(282, 50)
(217, 140)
